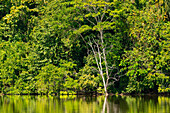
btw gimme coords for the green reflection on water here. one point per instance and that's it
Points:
(73, 104)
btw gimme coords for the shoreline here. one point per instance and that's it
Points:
(110, 94)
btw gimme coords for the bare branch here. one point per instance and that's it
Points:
(112, 19)
(85, 43)
(90, 21)
(113, 78)
(111, 83)
(95, 10)
(111, 72)
(95, 69)
(102, 42)
(105, 8)
(88, 9)
(94, 55)
(83, 38)
(99, 56)
(107, 18)
(95, 42)
(87, 19)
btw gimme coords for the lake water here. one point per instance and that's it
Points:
(74, 104)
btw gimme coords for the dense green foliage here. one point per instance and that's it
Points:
(69, 46)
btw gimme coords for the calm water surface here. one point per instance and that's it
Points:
(73, 104)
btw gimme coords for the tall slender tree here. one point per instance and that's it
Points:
(97, 26)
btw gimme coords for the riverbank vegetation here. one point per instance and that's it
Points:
(83, 46)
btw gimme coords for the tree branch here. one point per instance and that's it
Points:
(94, 54)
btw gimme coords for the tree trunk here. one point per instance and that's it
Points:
(106, 65)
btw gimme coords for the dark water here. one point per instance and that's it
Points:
(73, 104)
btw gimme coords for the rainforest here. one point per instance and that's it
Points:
(67, 47)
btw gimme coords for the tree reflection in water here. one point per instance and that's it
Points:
(74, 104)
(114, 104)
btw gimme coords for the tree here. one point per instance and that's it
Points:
(14, 74)
(52, 39)
(147, 60)
(98, 21)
